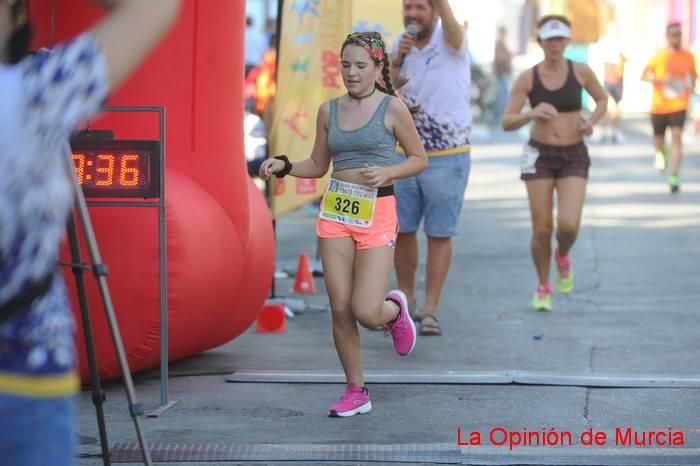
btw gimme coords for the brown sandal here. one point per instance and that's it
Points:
(431, 327)
(413, 310)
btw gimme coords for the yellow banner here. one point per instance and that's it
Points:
(309, 74)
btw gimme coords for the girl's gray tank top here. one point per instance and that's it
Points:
(372, 144)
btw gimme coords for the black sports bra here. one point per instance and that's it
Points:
(565, 99)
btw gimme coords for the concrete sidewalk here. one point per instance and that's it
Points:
(635, 311)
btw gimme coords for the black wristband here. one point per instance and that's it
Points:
(287, 166)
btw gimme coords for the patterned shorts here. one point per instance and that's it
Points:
(558, 161)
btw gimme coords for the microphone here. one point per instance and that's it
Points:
(411, 30)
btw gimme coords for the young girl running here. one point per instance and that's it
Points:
(357, 225)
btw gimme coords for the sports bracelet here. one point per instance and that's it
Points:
(287, 166)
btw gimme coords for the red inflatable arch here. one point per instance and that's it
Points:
(220, 247)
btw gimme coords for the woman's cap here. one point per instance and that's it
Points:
(554, 28)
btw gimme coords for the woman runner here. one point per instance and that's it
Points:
(555, 158)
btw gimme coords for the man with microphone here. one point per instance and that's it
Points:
(432, 55)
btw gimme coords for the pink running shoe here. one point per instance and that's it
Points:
(355, 400)
(403, 330)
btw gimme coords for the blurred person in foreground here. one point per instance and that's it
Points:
(672, 72)
(432, 55)
(556, 157)
(43, 98)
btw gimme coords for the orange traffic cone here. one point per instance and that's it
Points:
(271, 319)
(304, 281)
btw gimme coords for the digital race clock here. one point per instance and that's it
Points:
(117, 168)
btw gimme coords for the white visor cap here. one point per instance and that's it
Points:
(554, 28)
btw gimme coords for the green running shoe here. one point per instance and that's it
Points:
(542, 300)
(565, 276)
(674, 184)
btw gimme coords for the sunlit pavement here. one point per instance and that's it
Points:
(635, 311)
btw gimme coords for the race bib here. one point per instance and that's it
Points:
(528, 159)
(674, 88)
(349, 203)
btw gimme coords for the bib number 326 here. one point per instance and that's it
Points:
(347, 206)
(349, 203)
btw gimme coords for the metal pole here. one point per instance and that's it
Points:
(164, 361)
(165, 404)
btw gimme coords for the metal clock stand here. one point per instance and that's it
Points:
(165, 403)
(99, 270)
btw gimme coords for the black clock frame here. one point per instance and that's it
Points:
(151, 191)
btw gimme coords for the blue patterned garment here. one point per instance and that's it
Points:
(437, 136)
(42, 100)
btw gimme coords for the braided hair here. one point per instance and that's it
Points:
(373, 43)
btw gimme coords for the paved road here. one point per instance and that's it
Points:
(635, 311)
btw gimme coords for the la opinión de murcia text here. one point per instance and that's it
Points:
(551, 437)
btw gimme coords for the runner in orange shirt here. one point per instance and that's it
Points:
(673, 74)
